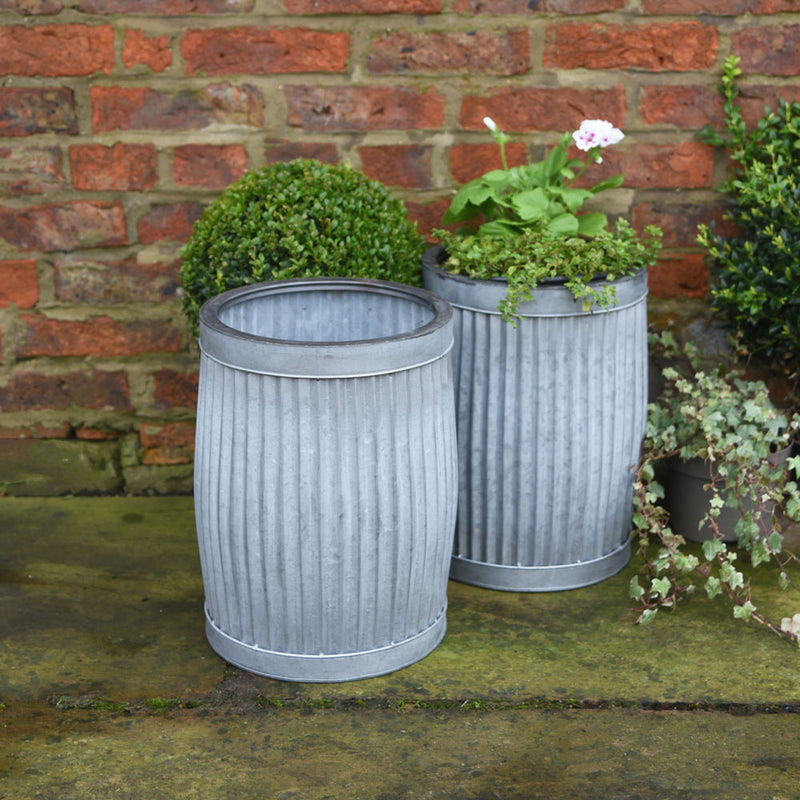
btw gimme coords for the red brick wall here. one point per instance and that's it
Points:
(120, 119)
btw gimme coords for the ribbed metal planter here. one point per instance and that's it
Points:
(325, 476)
(550, 418)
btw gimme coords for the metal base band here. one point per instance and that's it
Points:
(551, 578)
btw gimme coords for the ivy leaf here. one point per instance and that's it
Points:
(713, 587)
(744, 611)
(634, 589)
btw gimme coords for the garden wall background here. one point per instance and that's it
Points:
(120, 119)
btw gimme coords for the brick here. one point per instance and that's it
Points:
(95, 434)
(537, 108)
(362, 6)
(469, 161)
(98, 336)
(31, 7)
(360, 108)
(263, 51)
(679, 275)
(149, 51)
(679, 221)
(481, 51)
(167, 443)
(537, 6)
(768, 50)
(30, 170)
(289, 151)
(428, 214)
(175, 389)
(94, 389)
(143, 108)
(682, 106)
(655, 47)
(18, 283)
(64, 226)
(165, 7)
(36, 430)
(169, 222)
(407, 166)
(208, 166)
(81, 280)
(754, 99)
(720, 7)
(36, 110)
(121, 167)
(56, 50)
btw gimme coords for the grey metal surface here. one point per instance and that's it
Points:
(550, 418)
(325, 505)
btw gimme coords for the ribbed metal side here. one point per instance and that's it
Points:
(550, 419)
(325, 512)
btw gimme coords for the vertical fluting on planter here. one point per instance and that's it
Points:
(550, 418)
(325, 476)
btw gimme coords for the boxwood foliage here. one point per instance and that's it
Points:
(757, 271)
(298, 219)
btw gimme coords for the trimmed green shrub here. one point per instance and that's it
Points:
(757, 271)
(298, 219)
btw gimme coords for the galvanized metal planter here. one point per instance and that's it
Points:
(325, 476)
(551, 416)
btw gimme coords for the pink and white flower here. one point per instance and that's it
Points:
(596, 133)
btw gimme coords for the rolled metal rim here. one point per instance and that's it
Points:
(318, 359)
(551, 298)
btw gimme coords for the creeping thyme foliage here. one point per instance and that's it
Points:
(298, 219)
(537, 255)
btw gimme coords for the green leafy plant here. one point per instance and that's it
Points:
(298, 219)
(757, 270)
(718, 416)
(511, 200)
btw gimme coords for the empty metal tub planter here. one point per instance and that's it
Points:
(325, 476)
(551, 416)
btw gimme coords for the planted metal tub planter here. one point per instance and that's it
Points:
(550, 369)
(325, 476)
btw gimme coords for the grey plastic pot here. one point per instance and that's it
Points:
(325, 475)
(688, 501)
(550, 416)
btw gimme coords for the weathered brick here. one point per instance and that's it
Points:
(35, 430)
(537, 6)
(98, 336)
(208, 166)
(143, 108)
(481, 51)
(56, 50)
(81, 280)
(167, 443)
(30, 170)
(289, 151)
(95, 434)
(769, 50)
(64, 226)
(720, 7)
(679, 275)
(169, 222)
(408, 166)
(362, 6)
(95, 389)
(656, 47)
(428, 215)
(24, 111)
(359, 108)
(31, 6)
(264, 50)
(469, 161)
(18, 283)
(682, 106)
(149, 51)
(121, 167)
(538, 108)
(754, 99)
(165, 7)
(679, 221)
(175, 389)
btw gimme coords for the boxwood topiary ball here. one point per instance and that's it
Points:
(298, 219)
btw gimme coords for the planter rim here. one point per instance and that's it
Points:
(325, 359)
(551, 298)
